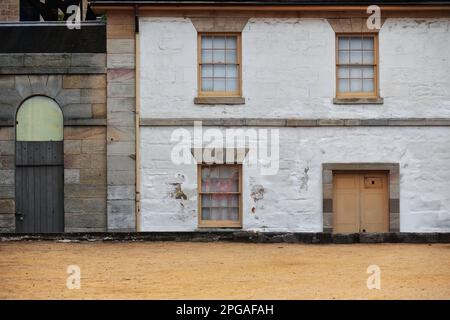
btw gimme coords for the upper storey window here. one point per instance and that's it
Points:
(357, 65)
(219, 64)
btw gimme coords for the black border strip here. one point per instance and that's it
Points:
(236, 236)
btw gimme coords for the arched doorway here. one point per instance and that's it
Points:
(39, 166)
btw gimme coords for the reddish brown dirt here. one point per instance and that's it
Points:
(168, 270)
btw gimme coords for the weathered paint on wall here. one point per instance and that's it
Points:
(289, 70)
(291, 200)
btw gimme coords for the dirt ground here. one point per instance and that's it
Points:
(171, 270)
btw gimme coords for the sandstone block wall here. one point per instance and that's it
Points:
(82, 98)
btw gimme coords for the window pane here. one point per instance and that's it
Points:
(207, 56)
(218, 214)
(231, 56)
(368, 57)
(206, 42)
(207, 85)
(220, 179)
(224, 214)
(355, 85)
(368, 85)
(355, 43)
(219, 84)
(231, 42)
(356, 72)
(39, 119)
(233, 214)
(234, 201)
(344, 85)
(218, 201)
(344, 57)
(223, 200)
(206, 214)
(219, 71)
(232, 71)
(344, 43)
(206, 185)
(207, 71)
(368, 72)
(356, 57)
(206, 200)
(220, 185)
(214, 172)
(232, 84)
(219, 56)
(205, 172)
(219, 43)
(229, 172)
(368, 43)
(343, 72)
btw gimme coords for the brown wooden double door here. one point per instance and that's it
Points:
(360, 202)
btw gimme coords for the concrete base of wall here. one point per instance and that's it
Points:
(232, 236)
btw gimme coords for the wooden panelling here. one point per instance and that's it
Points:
(360, 202)
(37, 153)
(346, 202)
(39, 187)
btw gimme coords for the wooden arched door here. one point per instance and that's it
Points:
(39, 166)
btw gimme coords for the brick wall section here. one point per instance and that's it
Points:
(82, 97)
(121, 103)
(9, 10)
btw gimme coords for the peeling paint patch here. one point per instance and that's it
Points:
(304, 179)
(177, 192)
(257, 193)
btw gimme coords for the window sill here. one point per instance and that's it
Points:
(376, 100)
(219, 228)
(219, 225)
(219, 100)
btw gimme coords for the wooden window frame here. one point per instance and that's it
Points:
(218, 223)
(375, 92)
(238, 92)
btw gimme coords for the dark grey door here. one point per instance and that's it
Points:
(39, 186)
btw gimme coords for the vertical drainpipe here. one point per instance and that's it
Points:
(137, 119)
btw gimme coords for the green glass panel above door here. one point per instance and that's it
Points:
(39, 118)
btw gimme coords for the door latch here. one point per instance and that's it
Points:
(19, 215)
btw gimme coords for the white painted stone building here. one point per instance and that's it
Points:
(356, 155)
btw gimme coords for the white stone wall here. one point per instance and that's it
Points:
(289, 70)
(292, 199)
